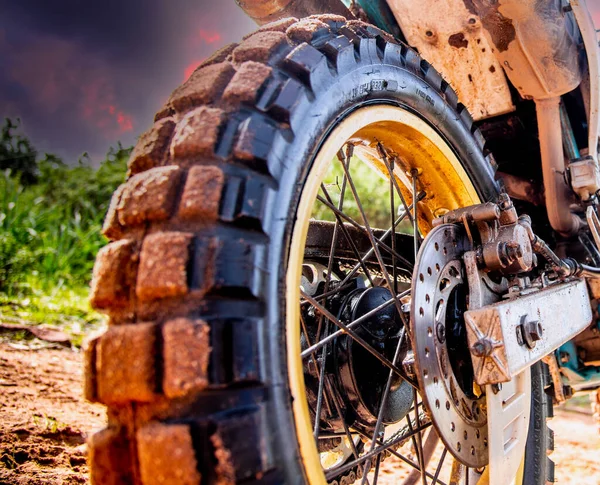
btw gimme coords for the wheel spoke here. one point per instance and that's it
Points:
(413, 464)
(317, 425)
(316, 363)
(334, 238)
(419, 440)
(346, 162)
(328, 293)
(429, 447)
(384, 447)
(338, 216)
(384, 158)
(376, 473)
(390, 166)
(353, 334)
(369, 253)
(383, 402)
(353, 324)
(416, 444)
(346, 429)
(374, 241)
(417, 236)
(388, 447)
(393, 217)
(439, 467)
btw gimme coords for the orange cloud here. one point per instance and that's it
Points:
(125, 122)
(98, 107)
(198, 42)
(190, 68)
(58, 81)
(209, 36)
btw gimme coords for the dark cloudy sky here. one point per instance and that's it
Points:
(83, 74)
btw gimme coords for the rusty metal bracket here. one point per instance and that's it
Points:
(486, 342)
(559, 391)
(495, 332)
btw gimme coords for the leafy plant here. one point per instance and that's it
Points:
(16, 152)
(50, 229)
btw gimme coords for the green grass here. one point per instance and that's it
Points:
(50, 230)
(51, 218)
(61, 307)
(50, 233)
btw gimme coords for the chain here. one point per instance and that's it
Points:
(357, 472)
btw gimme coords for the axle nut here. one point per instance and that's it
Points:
(528, 333)
(535, 330)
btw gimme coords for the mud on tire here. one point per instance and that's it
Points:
(192, 367)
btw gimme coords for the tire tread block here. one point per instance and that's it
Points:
(186, 352)
(110, 458)
(166, 455)
(114, 275)
(163, 266)
(126, 368)
(149, 196)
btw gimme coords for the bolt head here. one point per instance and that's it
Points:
(482, 348)
(534, 330)
(528, 333)
(441, 332)
(512, 251)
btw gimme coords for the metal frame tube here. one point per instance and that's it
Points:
(553, 166)
(569, 142)
(588, 33)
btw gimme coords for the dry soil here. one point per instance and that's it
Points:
(44, 423)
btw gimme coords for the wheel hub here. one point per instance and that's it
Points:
(361, 376)
(442, 360)
(355, 375)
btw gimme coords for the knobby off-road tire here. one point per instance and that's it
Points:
(193, 367)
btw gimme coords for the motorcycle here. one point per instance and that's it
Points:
(368, 232)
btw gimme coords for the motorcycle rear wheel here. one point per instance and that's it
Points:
(201, 368)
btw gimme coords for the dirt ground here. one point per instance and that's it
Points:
(44, 423)
(44, 420)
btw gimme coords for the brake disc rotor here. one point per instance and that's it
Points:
(442, 360)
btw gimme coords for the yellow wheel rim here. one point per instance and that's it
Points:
(441, 174)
